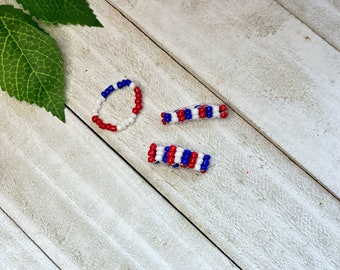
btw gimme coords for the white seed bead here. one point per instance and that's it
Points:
(115, 86)
(95, 112)
(178, 154)
(197, 167)
(199, 161)
(200, 155)
(102, 98)
(97, 107)
(132, 85)
(177, 160)
(179, 150)
(99, 102)
(195, 116)
(119, 127)
(133, 115)
(174, 118)
(131, 120)
(194, 112)
(160, 148)
(158, 157)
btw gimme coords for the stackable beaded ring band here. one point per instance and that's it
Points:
(178, 157)
(200, 111)
(125, 122)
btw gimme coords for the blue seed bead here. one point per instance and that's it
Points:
(185, 161)
(209, 115)
(205, 163)
(206, 157)
(165, 158)
(166, 148)
(104, 94)
(120, 85)
(110, 89)
(127, 81)
(208, 109)
(175, 165)
(188, 114)
(167, 117)
(204, 168)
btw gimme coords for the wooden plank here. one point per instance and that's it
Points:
(255, 204)
(83, 205)
(273, 70)
(321, 16)
(17, 251)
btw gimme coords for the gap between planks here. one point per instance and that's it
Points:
(215, 93)
(29, 238)
(153, 187)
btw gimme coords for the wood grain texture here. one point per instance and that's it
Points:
(321, 16)
(255, 204)
(272, 69)
(83, 205)
(17, 251)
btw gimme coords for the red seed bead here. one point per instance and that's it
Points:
(108, 126)
(183, 166)
(139, 107)
(202, 171)
(153, 146)
(171, 160)
(194, 154)
(152, 152)
(224, 114)
(151, 159)
(102, 125)
(172, 148)
(191, 165)
(180, 113)
(138, 95)
(113, 128)
(95, 118)
(201, 112)
(223, 108)
(181, 118)
(138, 101)
(137, 90)
(162, 114)
(135, 110)
(99, 121)
(164, 123)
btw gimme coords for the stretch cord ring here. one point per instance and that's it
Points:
(200, 111)
(178, 157)
(125, 122)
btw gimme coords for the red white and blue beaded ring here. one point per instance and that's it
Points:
(125, 122)
(200, 111)
(178, 157)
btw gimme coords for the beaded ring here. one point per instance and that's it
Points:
(200, 111)
(178, 157)
(129, 120)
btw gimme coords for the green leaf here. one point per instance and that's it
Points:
(61, 11)
(30, 65)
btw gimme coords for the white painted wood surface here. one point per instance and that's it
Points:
(76, 198)
(17, 251)
(323, 16)
(83, 205)
(272, 69)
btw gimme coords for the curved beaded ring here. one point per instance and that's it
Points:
(178, 157)
(125, 122)
(200, 111)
